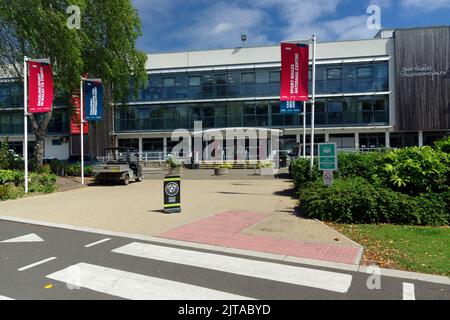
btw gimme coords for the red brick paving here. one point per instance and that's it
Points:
(224, 229)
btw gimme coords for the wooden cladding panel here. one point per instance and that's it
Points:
(423, 102)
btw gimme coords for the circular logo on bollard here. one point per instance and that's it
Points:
(172, 189)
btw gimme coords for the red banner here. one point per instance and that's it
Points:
(294, 72)
(75, 127)
(40, 87)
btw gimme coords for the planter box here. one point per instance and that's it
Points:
(265, 171)
(220, 171)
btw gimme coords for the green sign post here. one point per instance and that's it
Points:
(328, 162)
(328, 157)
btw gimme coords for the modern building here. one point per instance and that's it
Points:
(386, 92)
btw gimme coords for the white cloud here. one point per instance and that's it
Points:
(222, 24)
(200, 24)
(302, 18)
(428, 5)
(381, 3)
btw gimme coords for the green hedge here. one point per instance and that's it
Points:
(301, 173)
(10, 192)
(358, 164)
(74, 170)
(355, 200)
(350, 165)
(12, 183)
(414, 170)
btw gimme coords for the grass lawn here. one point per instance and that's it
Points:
(418, 249)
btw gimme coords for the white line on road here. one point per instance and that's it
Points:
(5, 298)
(408, 291)
(134, 286)
(332, 281)
(32, 237)
(96, 243)
(36, 264)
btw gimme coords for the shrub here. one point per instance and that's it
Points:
(10, 192)
(42, 183)
(414, 170)
(74, 170)
(11, 177)
(9, 160)
(301, 173)
(355, 200)
(350, 165)
(171, 162)
(225, 166)
(358, 164)
(443, 145)
(265, 164)
(58, 167)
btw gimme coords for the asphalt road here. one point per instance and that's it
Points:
(67, 264)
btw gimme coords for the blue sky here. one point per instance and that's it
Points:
(173, 25)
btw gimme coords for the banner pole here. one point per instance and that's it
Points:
(81, 131)
(25, 121)
(313, 100)
(304, 129)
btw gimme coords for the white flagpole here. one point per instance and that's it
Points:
(82, 131)
(25, 121)
(304, 129)
(313, 100)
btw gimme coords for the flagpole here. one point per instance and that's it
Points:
(313, 100)
(304, 129)
(82, 131)
(25, 121)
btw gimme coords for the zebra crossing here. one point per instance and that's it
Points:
(89, 266)
(130, 285)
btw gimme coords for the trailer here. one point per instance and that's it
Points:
(121, 165)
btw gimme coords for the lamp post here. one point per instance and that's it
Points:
(313, 99)
(25, 120)
(82, 130)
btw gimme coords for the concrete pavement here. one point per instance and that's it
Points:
(137, 208)
(89, 265)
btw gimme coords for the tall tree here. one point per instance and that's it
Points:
(104, 46)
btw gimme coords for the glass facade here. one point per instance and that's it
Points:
(250, 83)
(11, 95)
(11, 120)
(11, 123)
(352, 111)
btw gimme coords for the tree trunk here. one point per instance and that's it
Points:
(40, 147)
(40, 123)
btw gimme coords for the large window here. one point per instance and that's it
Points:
(343, 141)
(329, 112)
(153, 145)
(404, 139)
(372, 140)
(129, 143)
(264, 82)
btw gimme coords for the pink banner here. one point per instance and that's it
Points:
(294, 72)
(75, 126)
(40, 87)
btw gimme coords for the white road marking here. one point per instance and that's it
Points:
(32, 237)
(96, 243)
(408, 291)
(134, 286)
(36, 264)
(5, 298)
(337, 282)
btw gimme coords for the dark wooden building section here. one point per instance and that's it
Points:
(99, 137)
(423, 91)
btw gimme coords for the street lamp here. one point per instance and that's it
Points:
(243, 39)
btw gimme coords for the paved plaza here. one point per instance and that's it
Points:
(241, 211)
